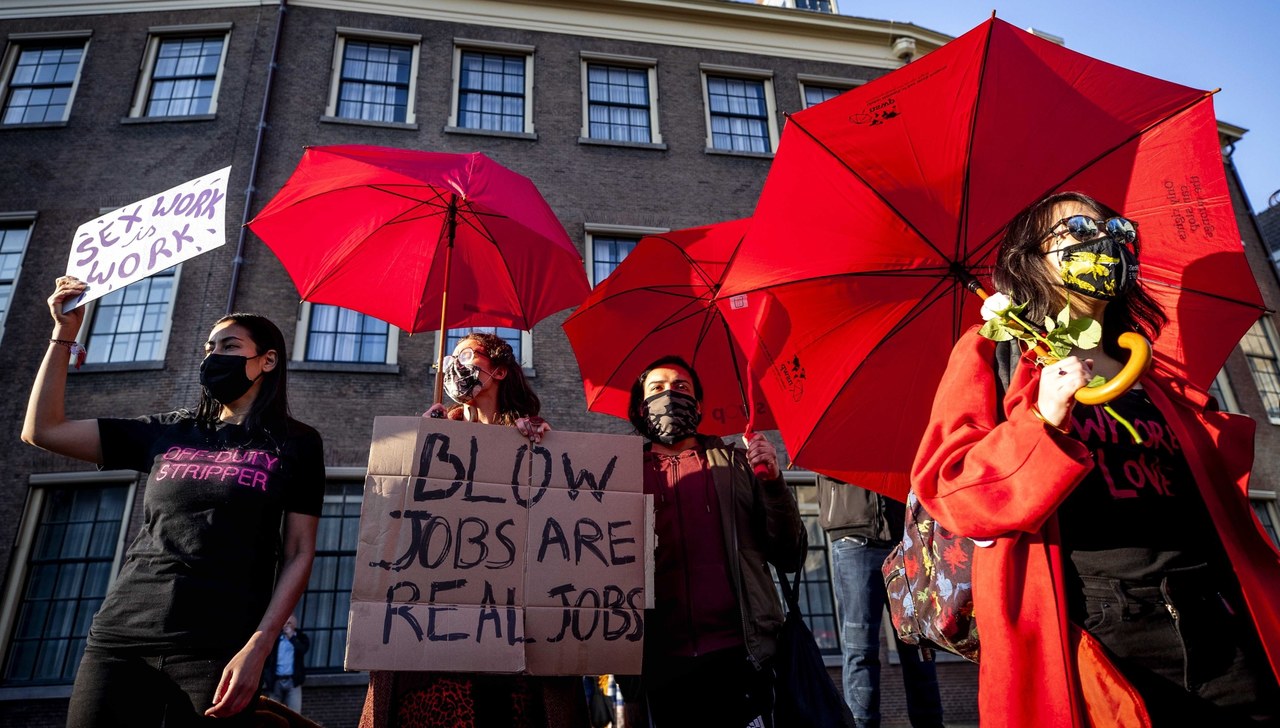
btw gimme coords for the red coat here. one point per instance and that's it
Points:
(1005, 481)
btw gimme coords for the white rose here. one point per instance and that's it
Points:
(996, 306)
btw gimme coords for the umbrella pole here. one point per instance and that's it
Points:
(451, 226)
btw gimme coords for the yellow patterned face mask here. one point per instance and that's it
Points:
(1103, 268)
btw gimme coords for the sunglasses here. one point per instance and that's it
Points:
(465, 358)
(1085, 229)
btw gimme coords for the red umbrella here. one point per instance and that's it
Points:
(660, 301)
(422, 240)
(883, 202)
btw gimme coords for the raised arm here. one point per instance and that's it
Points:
(46, 425)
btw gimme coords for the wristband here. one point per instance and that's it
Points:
(78, 352)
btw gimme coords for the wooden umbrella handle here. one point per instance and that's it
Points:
(1138, 364)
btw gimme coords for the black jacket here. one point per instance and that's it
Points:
(301, 643)
(847, 510)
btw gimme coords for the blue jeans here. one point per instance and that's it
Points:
(860, 603)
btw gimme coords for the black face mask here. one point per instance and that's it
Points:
(670, 417)
(1104, 268)
(224, 378)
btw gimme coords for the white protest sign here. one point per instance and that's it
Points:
(148, 236)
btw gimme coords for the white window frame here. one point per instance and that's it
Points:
(146, 72)
(344, 34)
(763, 75)
(462, 45)
(11, 218)
(303, 331)
(592, 229)
(839, 82)
(20, 41)
(650, 65)
(39, 484)
(91, 309)
(1269, 333)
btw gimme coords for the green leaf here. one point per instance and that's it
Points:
(996, 330)
(1087, 332)
(1097, 381)
(1049, 324)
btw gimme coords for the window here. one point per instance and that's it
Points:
(181, 72)
(817, 599)
(1264, 509)
(821, 6)
(341, 335)
(519, 341)
(1221, 390)
(608, 245)
(375, 77)
(131, 324)
(41, 74)
(619, 101)
(494, 87)
(740, 110)
(1259, 345)
(322, 611)
(814, 95)
(13, 244)
(67, 564)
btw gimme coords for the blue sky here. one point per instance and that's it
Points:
(1229, 45)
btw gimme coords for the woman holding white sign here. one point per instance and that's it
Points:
(188, 623)
(488, 384)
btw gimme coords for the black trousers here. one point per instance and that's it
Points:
(1188, 647)
(119, 689)
(717, 690)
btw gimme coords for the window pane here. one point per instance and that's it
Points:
(322, 611)
(128, 323)
(607, 251)
(40, 86)
(817, 94)
(339, 334)
(13, 245)
(184, 75)
(374, 83)
(618, 103)
(1259, 345)
(491, 91)
(66, 579)
(739, 114)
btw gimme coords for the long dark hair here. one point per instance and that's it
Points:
(636, 401)
(1020, 273)
(516, 397)
(271, 407)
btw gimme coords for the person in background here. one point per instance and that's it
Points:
(710, 640)
(488, 384)
(230, 510)
(1126, 583)
(862, 527)
(286, 670)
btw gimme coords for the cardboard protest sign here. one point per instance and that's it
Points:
(481, 552)
(148, 236)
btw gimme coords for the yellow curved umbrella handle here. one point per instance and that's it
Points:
(1138, 364)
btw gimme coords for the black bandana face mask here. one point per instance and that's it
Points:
(223, 375)
(671, 416)
(1104, 269)
(460, 380)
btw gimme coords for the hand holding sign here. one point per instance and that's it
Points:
(148, 236)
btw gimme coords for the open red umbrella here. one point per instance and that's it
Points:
(884, 202)
(660, 301)
(422, 240)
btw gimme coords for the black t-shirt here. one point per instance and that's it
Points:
(201, 572)
(1138, 513)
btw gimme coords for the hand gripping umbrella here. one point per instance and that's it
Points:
(885, 203)
(660, 301)
(425, 241)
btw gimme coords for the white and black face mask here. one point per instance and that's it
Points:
(461, 380)
(670, 416)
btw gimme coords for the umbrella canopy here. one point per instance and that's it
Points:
(368, 228)
(660, 301)
(884, 200)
